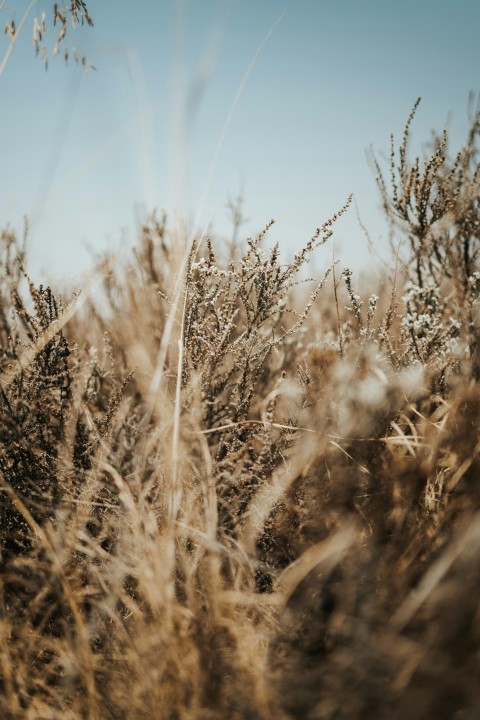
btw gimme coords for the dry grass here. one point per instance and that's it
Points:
(216, 502)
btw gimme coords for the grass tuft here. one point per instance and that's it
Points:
(224, 497)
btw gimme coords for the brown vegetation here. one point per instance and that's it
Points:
(218, 503)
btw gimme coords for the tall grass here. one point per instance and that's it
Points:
(222, 496)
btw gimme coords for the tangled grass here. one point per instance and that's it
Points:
(219, 502)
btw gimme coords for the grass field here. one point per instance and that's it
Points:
(225, 494)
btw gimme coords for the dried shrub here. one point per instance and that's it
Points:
(221, 498)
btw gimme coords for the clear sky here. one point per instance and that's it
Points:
(85, 155)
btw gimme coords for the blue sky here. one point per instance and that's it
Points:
(86, 155)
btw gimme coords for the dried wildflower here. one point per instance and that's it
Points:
(294, 532)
